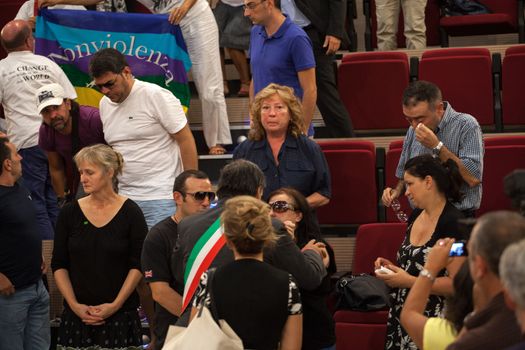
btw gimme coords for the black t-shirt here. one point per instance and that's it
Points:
(20, 242)
(98, 259)
(156, 266)
(254, 298)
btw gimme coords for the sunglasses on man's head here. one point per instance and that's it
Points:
(281, 206)
(201, 195)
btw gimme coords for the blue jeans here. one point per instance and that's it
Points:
(156, 210)
(24, 319)
(36, 178)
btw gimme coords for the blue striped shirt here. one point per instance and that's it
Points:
(461, 134)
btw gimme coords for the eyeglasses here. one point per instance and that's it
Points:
(281, 206)
(201, 195)
(252, 5)
(108, 85)
(401, 215)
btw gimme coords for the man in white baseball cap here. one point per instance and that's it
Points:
(66, 128)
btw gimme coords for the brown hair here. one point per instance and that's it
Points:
(247, 224)
(296, 126)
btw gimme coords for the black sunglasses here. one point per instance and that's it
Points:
(281, 206)
(201, 195)
(107, 85)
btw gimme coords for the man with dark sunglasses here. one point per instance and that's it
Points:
(192, 192)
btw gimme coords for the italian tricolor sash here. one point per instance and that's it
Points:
(201, 257)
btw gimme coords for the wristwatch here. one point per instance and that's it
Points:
(427, 274)
(437, 149)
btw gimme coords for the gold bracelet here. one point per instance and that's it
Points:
(427, 274)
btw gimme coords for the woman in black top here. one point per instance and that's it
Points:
(291, 208)
(260, 302)
(96, 259)
(431, 186)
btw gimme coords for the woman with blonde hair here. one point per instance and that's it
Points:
(278, 146)
(96, 258)
(260, 303)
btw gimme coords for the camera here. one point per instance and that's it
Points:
(459, 248)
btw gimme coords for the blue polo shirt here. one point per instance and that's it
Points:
(302, 165)
(278, 58)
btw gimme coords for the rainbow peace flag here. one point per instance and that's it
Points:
(154, 49)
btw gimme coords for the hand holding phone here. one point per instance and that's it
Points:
(459, 248)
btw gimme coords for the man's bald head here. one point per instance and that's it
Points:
(14, 36)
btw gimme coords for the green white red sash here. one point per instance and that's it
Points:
(201, 257)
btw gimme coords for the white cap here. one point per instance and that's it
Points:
(49, 95)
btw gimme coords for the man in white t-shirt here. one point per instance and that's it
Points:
(22, 73)
(147, 125)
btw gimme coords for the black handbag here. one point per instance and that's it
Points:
(362, 293)
(464, 7)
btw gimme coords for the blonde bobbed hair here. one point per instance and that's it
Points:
(296, 125)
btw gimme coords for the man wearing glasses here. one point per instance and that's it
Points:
(437, 129)
(21, 74)
(147, 125)
(192, 192)
(281, 52)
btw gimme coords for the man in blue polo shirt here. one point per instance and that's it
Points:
(281, 52)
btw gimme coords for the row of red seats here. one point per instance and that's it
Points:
(356, 190)
(506, 16)
(371, 85)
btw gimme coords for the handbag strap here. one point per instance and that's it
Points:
(209, 291)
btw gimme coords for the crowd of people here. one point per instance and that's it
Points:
(134, 222)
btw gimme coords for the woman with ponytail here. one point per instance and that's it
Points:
(432, 187)
(258, 301)
(96, 259)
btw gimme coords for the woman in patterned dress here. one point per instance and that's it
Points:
(432, 187)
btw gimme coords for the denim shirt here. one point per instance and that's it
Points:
(302, 165)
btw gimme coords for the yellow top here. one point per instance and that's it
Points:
(438, 334)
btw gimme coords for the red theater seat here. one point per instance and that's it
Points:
(371, 86)
(464, 76)
(506, 17)
(377, 239)
(513, 85)
(502, 155)
(354, 191)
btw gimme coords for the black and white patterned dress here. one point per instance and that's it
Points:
(412, 259)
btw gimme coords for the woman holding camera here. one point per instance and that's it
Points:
(432, 187)
(436, 333)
